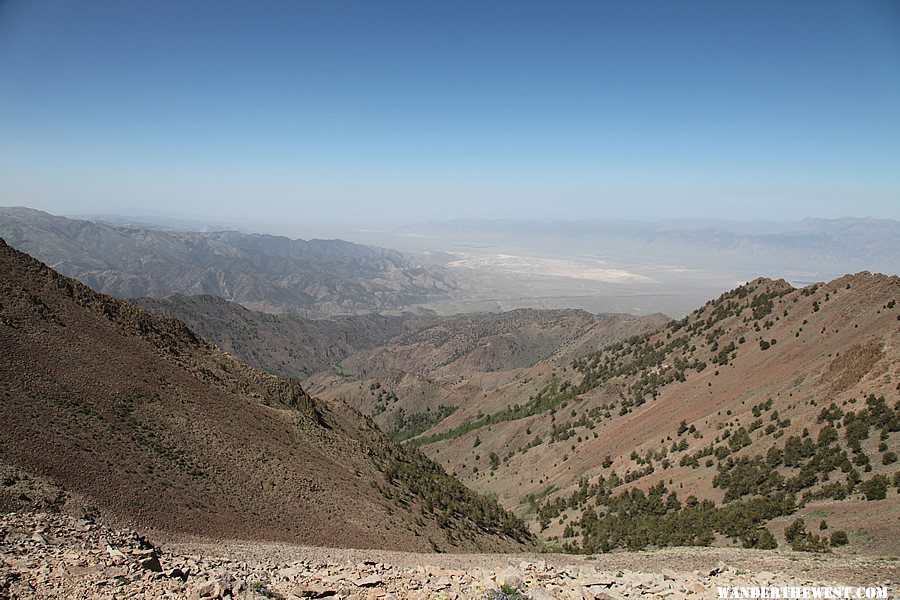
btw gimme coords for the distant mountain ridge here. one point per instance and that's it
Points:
(270, 273)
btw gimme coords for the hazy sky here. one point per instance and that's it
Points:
(324, 111)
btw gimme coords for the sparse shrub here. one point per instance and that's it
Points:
(802, 540)
(761, 539)
(795, 531)
(262, 590)
(505, 592)
(875, 488)
(495, 461)
(839, 538)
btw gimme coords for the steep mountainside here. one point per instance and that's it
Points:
(767, 394)
(137, 416)
(491, 342)
(274, 274)
(418, 378)
(399, 368)
(287, 345)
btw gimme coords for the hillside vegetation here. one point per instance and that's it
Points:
(764, 402)
(417, 379)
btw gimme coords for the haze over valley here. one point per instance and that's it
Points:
(454, 267)
(640, 267)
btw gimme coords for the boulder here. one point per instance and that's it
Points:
(509, 576)
(217, 588)
(150, 563)
(370, 581)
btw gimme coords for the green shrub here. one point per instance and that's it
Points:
(504, 592)
(875, 488)
(839, 538)
(262, 590)
(761, 539)
(810, 543)
(795, 531)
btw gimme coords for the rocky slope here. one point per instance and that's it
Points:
(269, 273)
(53, 556)
(106, 408)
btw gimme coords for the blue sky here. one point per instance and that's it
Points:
(371, 112)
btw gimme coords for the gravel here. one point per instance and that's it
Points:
(45, 555)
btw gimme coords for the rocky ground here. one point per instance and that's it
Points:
(47, 555)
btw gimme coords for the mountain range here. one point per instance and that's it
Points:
(599, 431)
(270, 273)
(110, 410)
